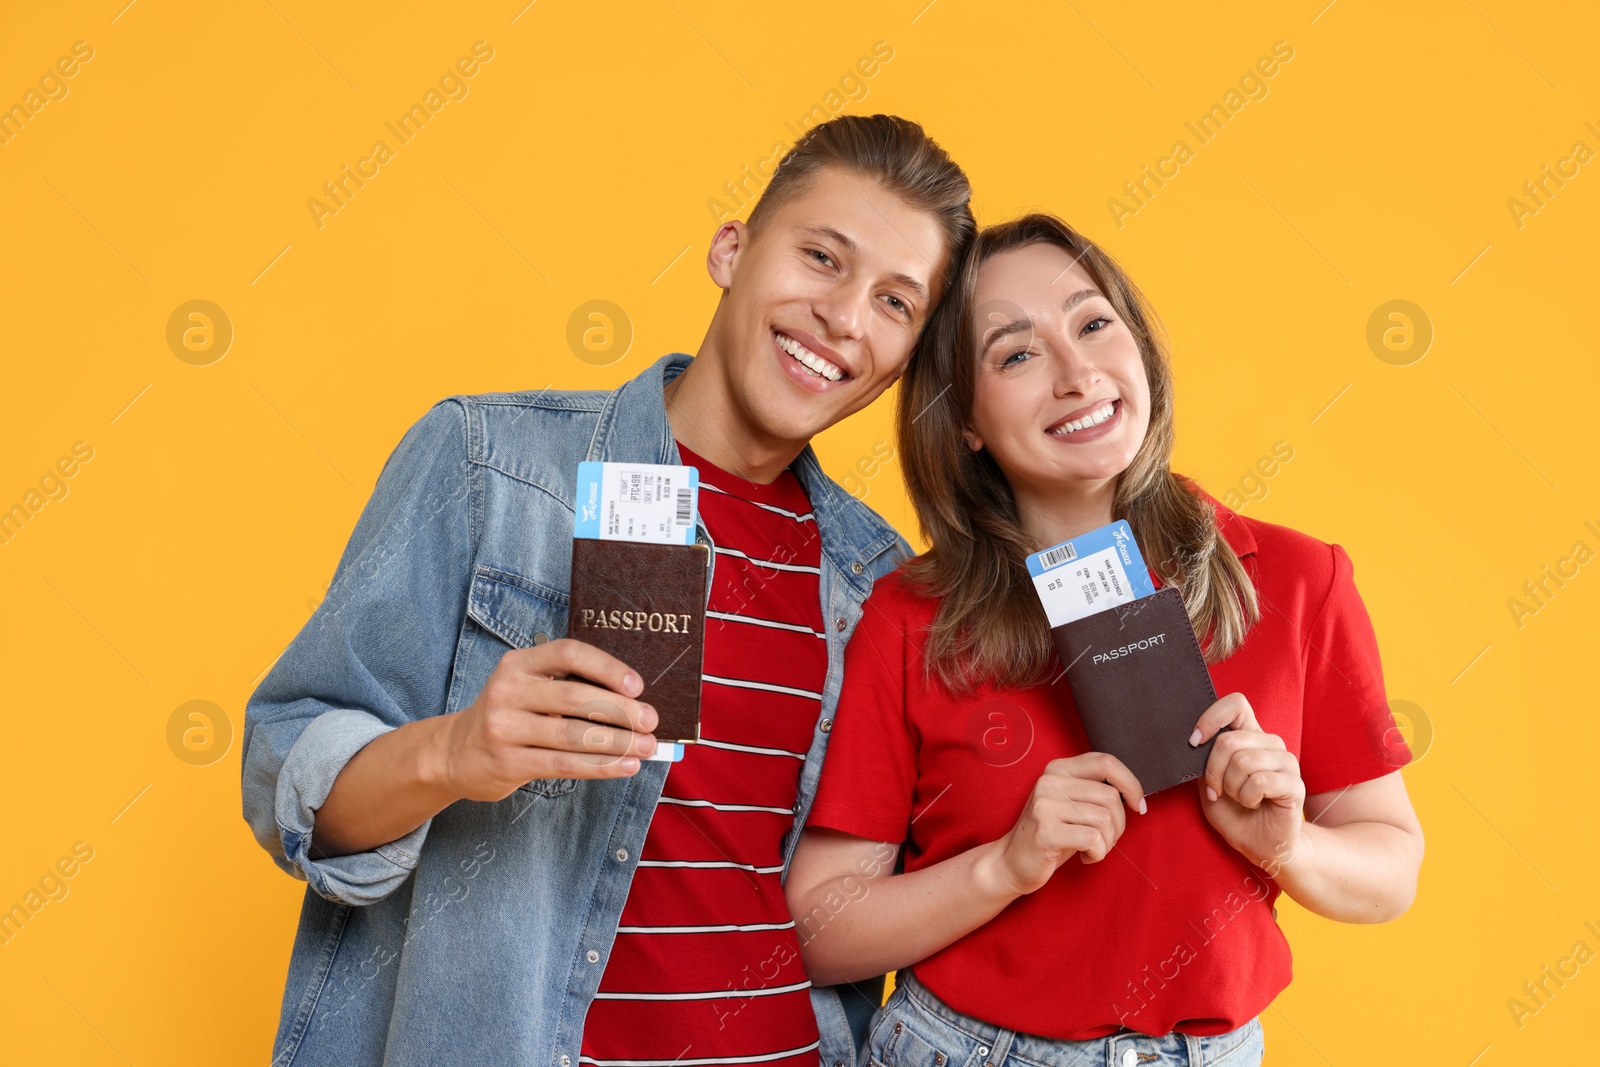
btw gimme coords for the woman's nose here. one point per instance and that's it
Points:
(1072, 373)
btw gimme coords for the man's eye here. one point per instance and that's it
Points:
(1091, 322)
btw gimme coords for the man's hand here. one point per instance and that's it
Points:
(534, 720)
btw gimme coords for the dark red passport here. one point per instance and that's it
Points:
(646, 605)
(1140, 683)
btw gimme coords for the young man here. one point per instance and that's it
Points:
(493, 874)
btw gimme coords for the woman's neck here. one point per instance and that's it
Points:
(1063, 512)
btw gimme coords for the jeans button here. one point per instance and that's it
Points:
(1129, 1058)
(897, 1027)
(983, 1050)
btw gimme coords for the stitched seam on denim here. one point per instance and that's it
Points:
(916, 993)
(553, 494)
(546, 399)
(313, 993)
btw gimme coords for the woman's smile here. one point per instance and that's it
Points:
(1088, 423)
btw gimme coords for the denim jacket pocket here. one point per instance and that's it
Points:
(507, 611)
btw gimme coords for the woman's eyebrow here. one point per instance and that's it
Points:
(1018, 325)
(996, 333)
(1079, 297)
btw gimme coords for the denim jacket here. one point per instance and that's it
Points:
(481, 936)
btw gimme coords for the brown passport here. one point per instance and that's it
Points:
(1140, 683)
(646, 605)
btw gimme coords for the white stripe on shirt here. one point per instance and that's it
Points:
(771, 564)
(681, 801)
(731, 928)
(703, 1060)
(773, 623)
(744, 683)
(715, 994)
(807, 517)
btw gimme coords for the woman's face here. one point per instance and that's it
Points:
(1060, 393)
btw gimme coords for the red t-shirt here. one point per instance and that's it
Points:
(1172, 931)
(706, 963)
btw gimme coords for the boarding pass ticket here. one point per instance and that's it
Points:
(1089, 573)
(636, 502)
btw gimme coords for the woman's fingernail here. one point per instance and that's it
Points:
(1143, 807)
(1194, 738)
(630, 682)
(1211, 794)
(630, 765)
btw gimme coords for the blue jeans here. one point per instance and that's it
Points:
(917, 1029)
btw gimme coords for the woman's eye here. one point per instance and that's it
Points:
(898, 304)
(822, 257)
(1016, 357)
(1091, 322)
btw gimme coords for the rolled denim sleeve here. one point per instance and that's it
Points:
(375, 655)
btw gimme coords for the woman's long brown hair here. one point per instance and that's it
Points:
(990, 625)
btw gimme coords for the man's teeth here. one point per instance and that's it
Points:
(1094, 418)
(809, 359)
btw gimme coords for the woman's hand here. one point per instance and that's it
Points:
(1252, 792)
(1076, 806)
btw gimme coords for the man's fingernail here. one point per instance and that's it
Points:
(1194, 738)
(1211, 794)
(1143, 807)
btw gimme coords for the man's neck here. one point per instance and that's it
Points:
(705, 419)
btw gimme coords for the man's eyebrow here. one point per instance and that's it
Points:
(831, 234)
(1018, 325)
(910, 283)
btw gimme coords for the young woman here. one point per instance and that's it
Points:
(1040, 408)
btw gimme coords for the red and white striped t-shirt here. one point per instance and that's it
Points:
(706, 964)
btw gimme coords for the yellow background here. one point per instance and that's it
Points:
(194, 544)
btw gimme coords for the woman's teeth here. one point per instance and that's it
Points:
(1094, 418)
(809, 359)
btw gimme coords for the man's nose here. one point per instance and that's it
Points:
(845, 311)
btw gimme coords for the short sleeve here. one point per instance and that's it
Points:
(870, 770)
(1348, 734)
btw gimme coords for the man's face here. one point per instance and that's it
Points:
(825, 305)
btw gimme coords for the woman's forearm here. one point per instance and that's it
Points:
(1359, 872)
(852, 928)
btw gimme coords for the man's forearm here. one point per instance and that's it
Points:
(389, 788)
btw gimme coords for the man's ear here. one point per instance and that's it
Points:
(722, 259)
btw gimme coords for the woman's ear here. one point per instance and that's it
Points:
(722, 259)
(970, 436)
